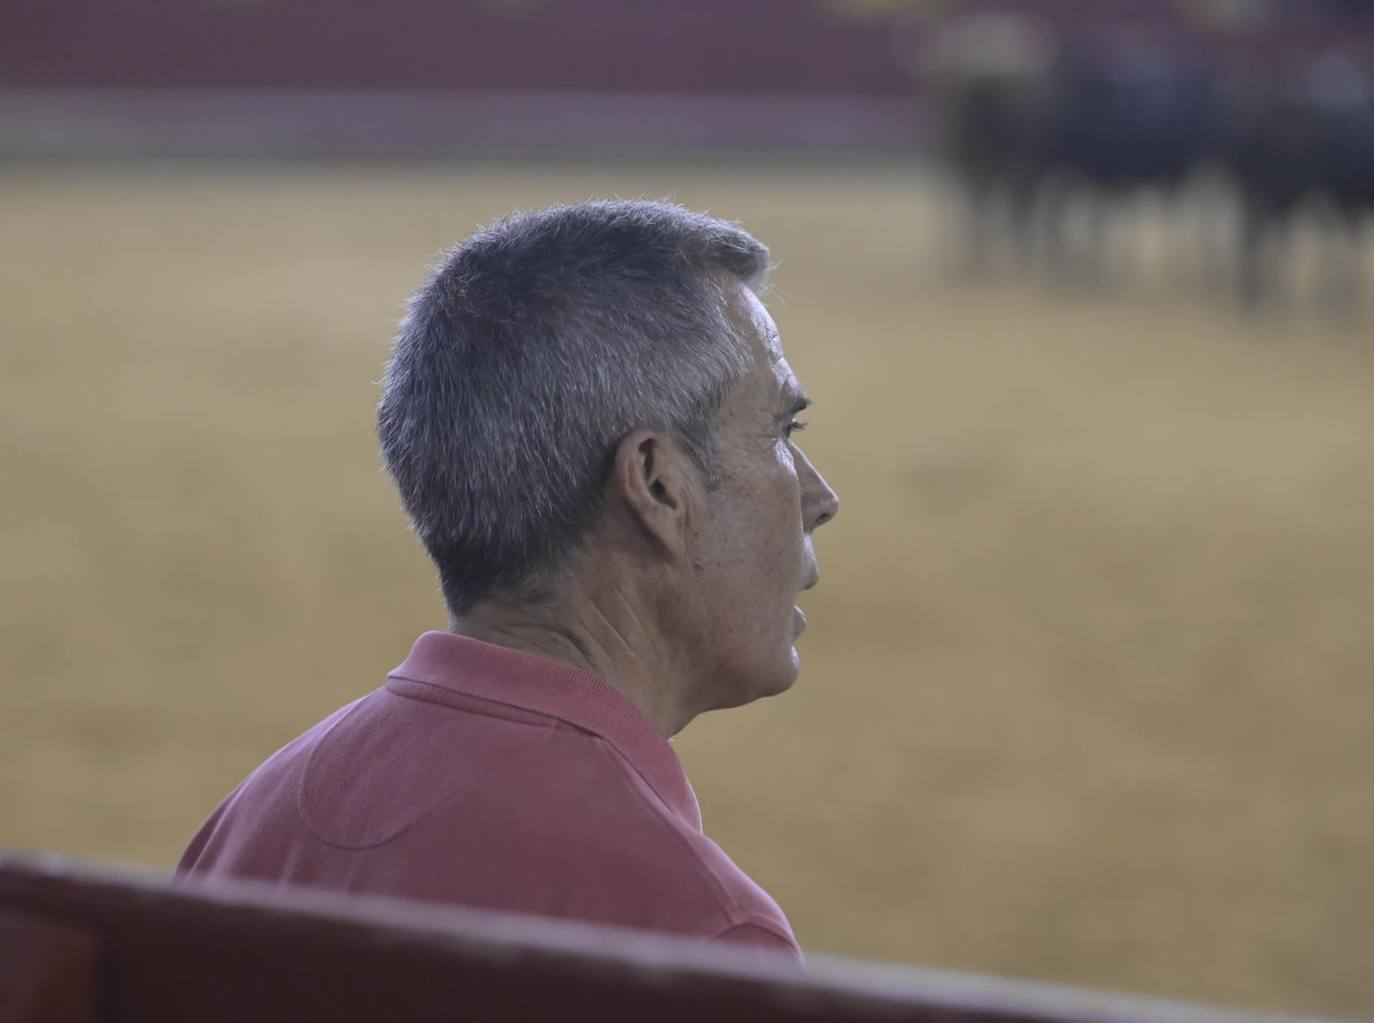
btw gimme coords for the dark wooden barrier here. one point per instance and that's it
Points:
(79, 943)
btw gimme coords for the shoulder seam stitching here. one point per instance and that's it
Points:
(725, 901)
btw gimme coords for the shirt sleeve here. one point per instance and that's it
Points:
(759, 944)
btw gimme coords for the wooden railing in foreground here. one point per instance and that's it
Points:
(79, 943)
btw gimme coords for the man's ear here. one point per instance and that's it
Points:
(654, 480)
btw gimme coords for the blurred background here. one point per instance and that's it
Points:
(1082, 292)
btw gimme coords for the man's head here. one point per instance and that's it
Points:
(602, 379)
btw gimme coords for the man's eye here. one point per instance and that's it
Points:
(793, 426)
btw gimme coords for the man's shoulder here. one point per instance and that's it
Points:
(465, 771)
(474, 802)
(573, 824)
(562, 817)
(362, 776)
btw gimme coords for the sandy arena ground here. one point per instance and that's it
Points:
(1089, 686)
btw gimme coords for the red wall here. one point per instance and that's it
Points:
(724, 47)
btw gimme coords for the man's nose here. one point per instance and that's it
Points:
(820, 504)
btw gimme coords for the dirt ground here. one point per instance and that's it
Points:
(1087, 693)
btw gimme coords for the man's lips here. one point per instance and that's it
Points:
(799, 615)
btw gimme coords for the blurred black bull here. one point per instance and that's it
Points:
(992, 80)
(1298, 137)
(1125, 116)
(1035, 127)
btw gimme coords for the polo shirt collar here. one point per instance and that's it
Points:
(518, 679)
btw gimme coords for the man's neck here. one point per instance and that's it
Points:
(602, 633)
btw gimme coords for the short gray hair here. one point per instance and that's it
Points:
(533, 349)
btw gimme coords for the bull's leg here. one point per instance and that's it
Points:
(1078, 219)
(1054, 236)
(1022, 222)
(1093, 254)
(1214, 218)
(978, 228)
(1258, 233)
(1341, 276)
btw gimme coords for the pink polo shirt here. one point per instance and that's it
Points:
(487, 777)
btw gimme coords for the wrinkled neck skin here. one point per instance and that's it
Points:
(611, 618)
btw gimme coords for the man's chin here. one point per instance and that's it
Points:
(763, 685)
(783, 679)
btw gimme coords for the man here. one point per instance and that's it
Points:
(592, 427)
